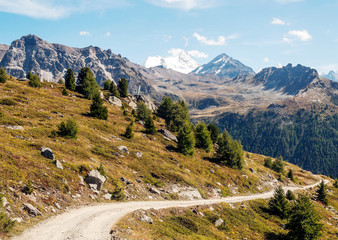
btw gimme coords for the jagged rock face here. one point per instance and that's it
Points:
(3, 50)
(332, 75)
(51, 61)
(290, 80)
(224, 66)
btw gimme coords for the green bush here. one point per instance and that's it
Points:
(268, 162)
(118, 193)
(290, 196)
(6, 224)
(129, 132)
(290, 175)
(65, 92)
(106, 84)
(335, 181)
(113, 90)
(34, 81)
(186, 140)
(101, 170)
(150, 126)
(278, 165)
(143, 113)
(1, 114)
(3, 75)
(278, 204)
(68, 129)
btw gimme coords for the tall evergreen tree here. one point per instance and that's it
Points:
(97, 109)
(214, 132)
(150, 126)
(87, 84)
(29, 75)
(304, 221)
(3, 75)
(321, 193)
(229, 152)
(143, 112)
(106, 84)
(113, 90)
(123, 87)
(278, 165)
(70, 80)
(290, 175)
(129, 132)
(186, 140)
(278, 204)
(290, 196)
(202, 136)
(165, 109)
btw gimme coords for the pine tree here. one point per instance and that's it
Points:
(186, 140)
(65, 92)
(29, 75)
(214, 132)
(165, 109)
(268, 162)
(97, 109)
(143, 113)
(106, 84)
(129, 132)
(3, 75)
(202, 136)
(290, 196)
(229, 152)
(123, 87)
(70, 80)
(304, 221)
(321, 193)
(113, 90)
(150, 126)
(278, 165)
(290, 175)
(278, 204)
(68, 129)
(87, 84)
(34, 81)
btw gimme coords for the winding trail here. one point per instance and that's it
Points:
(95, 222)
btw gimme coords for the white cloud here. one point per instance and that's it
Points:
(221, 40)
(186, 41)
(84, 33)
(197, 54)
(279, 65)
(277, 21)
(186, 4)
(301, 35)
(108, 34)
(51, 9)
(266, 60)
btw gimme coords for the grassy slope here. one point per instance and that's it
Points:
(250, 220)
(39, 111)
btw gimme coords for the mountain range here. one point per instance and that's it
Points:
(220, 91)
(332, 75)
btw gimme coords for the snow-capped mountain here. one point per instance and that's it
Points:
(224, 66)
(179, 61)
(332, 75)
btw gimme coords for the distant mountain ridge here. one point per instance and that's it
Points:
(224, 66)
(332, 75)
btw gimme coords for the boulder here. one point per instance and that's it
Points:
(168, 134)
(123, 149)
(94, 177)
(138, 154)
(115, 101)
(253, 171)
(154, 191)
(107, 196)
(145, 218)
(47, 153)
(218, 222)
(33, 211)
(58, 164)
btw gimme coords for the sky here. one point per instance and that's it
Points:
(259, 33)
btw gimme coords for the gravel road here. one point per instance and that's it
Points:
(95, 222)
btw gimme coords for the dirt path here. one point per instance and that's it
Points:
(95, 222)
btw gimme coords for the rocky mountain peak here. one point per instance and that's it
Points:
(332, 75)
(288, 79)
(224, 66)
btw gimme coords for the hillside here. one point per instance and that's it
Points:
(150, 169)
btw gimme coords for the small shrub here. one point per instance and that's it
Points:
(28, 189)
(101, 170)
(34, 81)
(65, 92)
(68, 129)
(8, 102)
(3, 75)
(290, 196)
(278, 165)
(1, 114)
(97, 109)
(129, 132)
(106, 84)
(6, 224)
(150, 126)
(335, 182)
(290, 175)
(118, 193)
(268, 162)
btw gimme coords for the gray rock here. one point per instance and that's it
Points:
(253, 171)
(145, 218)
(4, 202)
(31, 210)
(126, 181)
(81, 181)
(212, 171)
(115, 101)
(47, 153)
(123, 149)
(147, 101)
(107, 196)
(218, 222)
(58, 164)
(138, 154)
(94, 177)
(154, 191)
(13, 127)
(168, 134)
(133, 105)
(57, 206)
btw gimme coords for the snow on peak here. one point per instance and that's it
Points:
(179, 60)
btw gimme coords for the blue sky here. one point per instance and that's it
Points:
(260, 33)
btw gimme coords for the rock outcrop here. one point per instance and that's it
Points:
(47, 153)
(94, 177)
(168, 134)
